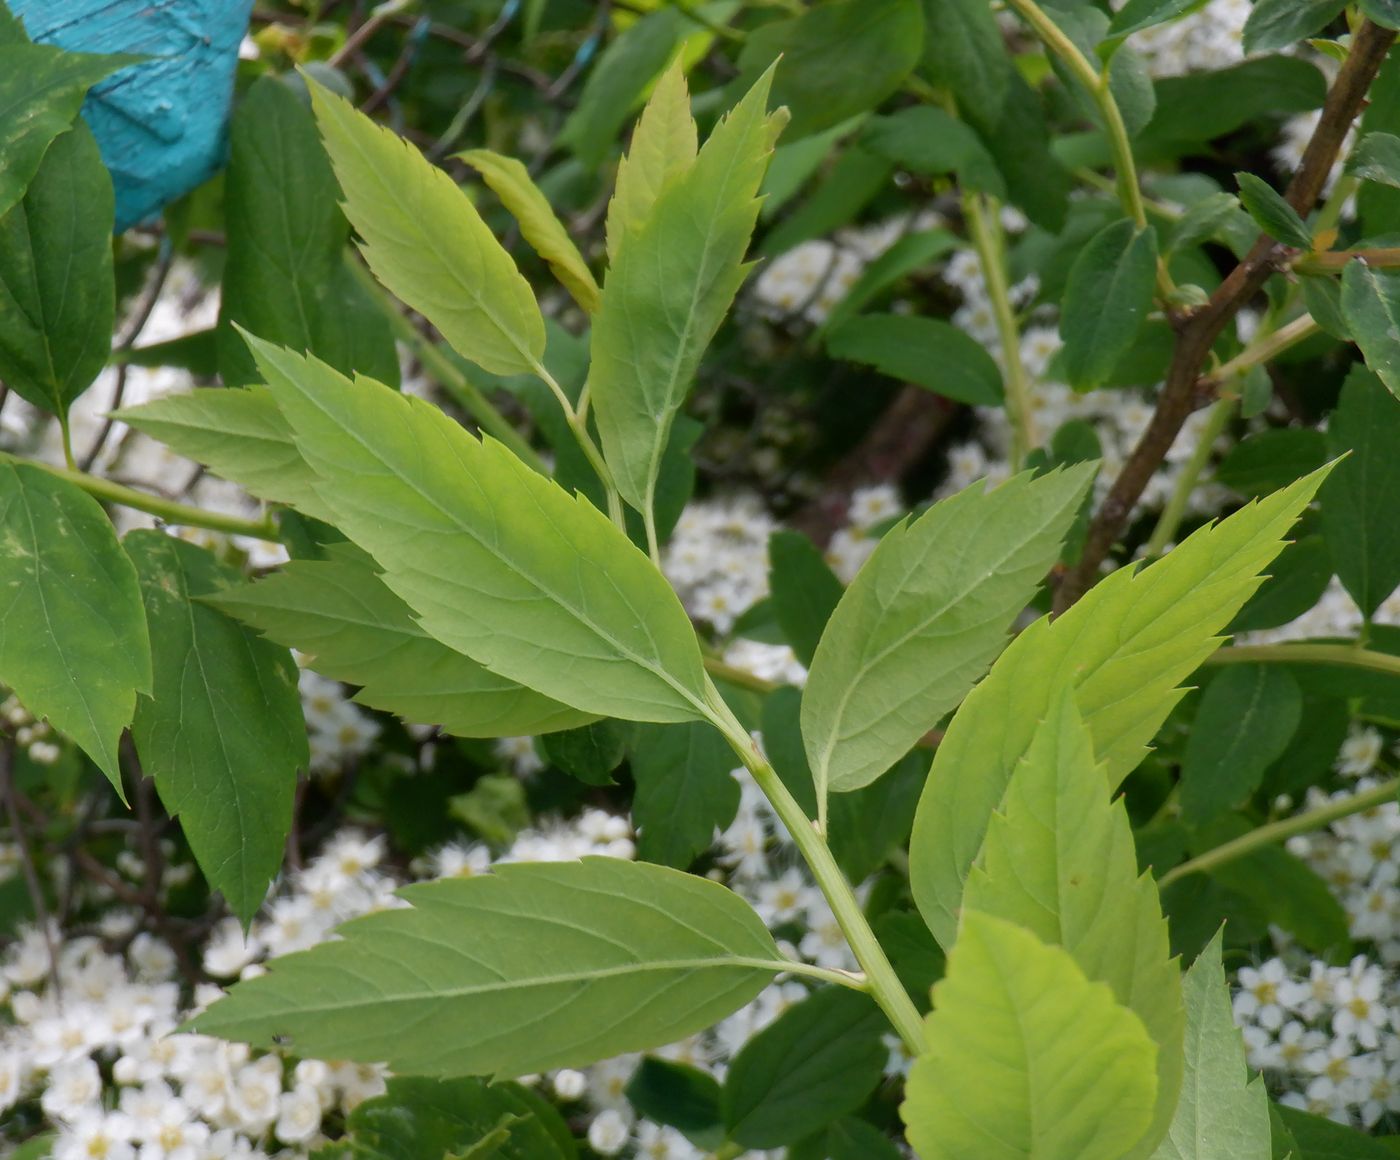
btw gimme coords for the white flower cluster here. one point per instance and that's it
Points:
(35, 736)
(339, 731)
(1209, 39)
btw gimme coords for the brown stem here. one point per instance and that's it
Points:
(1183, 392)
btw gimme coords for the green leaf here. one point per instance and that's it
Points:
(853, 1139)
(1059, 861)
(1222, 1114)
(1027, 1057)
(1319, 1138)
(1018, 136)
(1247, 716)
(805, 591)
(238, 434)
(1125, 648)
(587, 960)
(1268, 460)
(478, 546)
(1296, 583)
(1106, 300)
(353, 628)
(865, 827)
(815, 1062)
(41, 91)
(1274, 24)
(1198, 107)
(426, 242)
(1371, 307)
(1376, 158)
(616, 82)
(928, 141)
(963, 51)
(461, 1119)
(511, 182)
(56, 291)
(1284, 891)
(921, 623)
(663, 147)
(908, 254)
(1136, 15)
(1322, 298)
(1358, 519)
(1273, 215)
(589, 752)
(73, 642)
(286, 276)
(685, 790)
(924, 351)
(670, 289)
(836, 59)
(1386, 13)
(222, 733)
(685, 1098)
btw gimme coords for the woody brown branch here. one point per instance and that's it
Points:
(1184, 390)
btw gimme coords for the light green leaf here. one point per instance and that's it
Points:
(964, 50)
(1358, 517)
(669, 291)
(1027, 1057)
(498, 562)
(920, 623)
(685, 790)
(1125, 648)
(1059, 861)
(1106, 300)
(1274, 24)
(924, 351)
(239, 434)
(73, 642)
(1377, 158)
(425, 241)
(286, 276)
(1271, 212)
(664, 145)
(56, 291)
(41, 90)
(1222, 1115)
(1247, 716)
(511, 182)
(354, 629)
(1371, 307)
(586, 960)
(222, 733)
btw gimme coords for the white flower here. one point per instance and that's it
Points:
(172, 1134)
(298, 1115)
(1360, 752)
(73, 1088)
(780, 900)
(229, 950)
(655, 1142)
(95, 1136)
(569, 1084)
(1359, 1013)
(520, 753)
(150, 958)
(608, 1133)
(1259, 997)
(456, 860)
(608, 1080)
(871, 505)
(254, 1094)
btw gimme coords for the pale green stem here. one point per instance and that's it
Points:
(653, 545)
(880, 978)
(579, 426)
(1331, 212)
(1304, 653)
(167, 510)
(1268, 346)
(1170, 520)
(1282, 830)
(734, 675)
(984, 226)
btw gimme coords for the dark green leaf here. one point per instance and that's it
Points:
(1266, 461)
(73, 643)
(1386, 13)
(1323, 299)
(685, 790)
(853, 1139)
(1319, 1138)
(908, 254)
(1281, 23)
(1296, 583)
(1210, 219)
(1371, 307)
(846, 188)
(917, 958)
(56, 290)
(1247, 716)
(804, 590)
(682, 1097)
(1198, 107)
(589, 752)
(1274, 216)
(1106, 300)
(928, 141)
(1288, 894)
(924, 351)
(964, 52)
(222, 733)
(817, 1061)
(1358, 511)
(1018, 138)
(864, 827)
(1139, 14)
(1377, 158)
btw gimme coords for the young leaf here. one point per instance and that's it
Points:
(497, 561)
(286, 275)
(587, 960)
(669, 291)
(815, 1062)
(663, 147)
(1247, 717)
(1222, 1115)
(73, 643)
(1027, 1057)
(964, 50)
(1377, 158)
(511, 182)
(1274, 24)
(1371, 307)
(340, 612)
(56, 291)
(1059, 861)
(923, 351)
(920, 623)
(805, 591)
(222, 733)
(238, 434)
(425, 241)
(1271, 213)
(1106, 300)
(685, 790)
(1358, 519)
(1125, 648)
